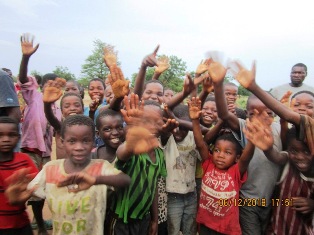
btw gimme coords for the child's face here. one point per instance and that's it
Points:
(180, 134)
(209, 113)
(168, 95)
(96, 90)
(260, 107)
(111, 131)
(225, 154)
(9, 136)
(108, 94)
(299, 155)
(153, 91)
(71, 87)
(78, 143)
(231, 93)
(304, 104)
(71, 105)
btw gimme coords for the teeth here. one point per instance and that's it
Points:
(115, 140)
(72, 114)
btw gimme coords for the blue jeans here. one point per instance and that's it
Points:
(181, 216)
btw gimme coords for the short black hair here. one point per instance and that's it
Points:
(152, 102)
(38, 79)
(181, 111)
(302, 92)
(210, 98)
(6, 119)
(229, 137)
(105, 113)
(71, 94)
(77, 119)
(47, 77)
(154, 81)
(300, 65)
(99, 80)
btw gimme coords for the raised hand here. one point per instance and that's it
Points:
(150, 60)
(53, 90)
(195, 108)
(245, 77)
(259, 132)
(203, 66)
(17, 191)
(140, 140)
(77, 181)
(27, 41)
(162, 64)
(208, 85)
(188, 85)
(232, 108)
(216, 69)
(120, 86)
(286, 98)
(110, 56)
(133, 109)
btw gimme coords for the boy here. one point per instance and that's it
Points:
(13, 219)
(72, 213)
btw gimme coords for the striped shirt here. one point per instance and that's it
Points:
(134, 202)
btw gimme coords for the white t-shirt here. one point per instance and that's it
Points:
(74, 213)
(279, 91)
(181, 164)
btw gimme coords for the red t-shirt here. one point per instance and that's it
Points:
(13, 216)
(217, 185)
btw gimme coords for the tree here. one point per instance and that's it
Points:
(94, 66)
(171, 78)
(35, 72)
(63, 72)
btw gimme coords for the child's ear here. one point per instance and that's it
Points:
(237, 158)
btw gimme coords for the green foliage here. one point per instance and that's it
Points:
(83, 82)
(171, 78)
(241, 102)
(243, 92)
(94, 66)
(64, 72)
(35, 72)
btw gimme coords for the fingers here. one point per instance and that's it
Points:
(156, 50)
(253, 68)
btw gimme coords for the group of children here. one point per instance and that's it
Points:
(161, 165)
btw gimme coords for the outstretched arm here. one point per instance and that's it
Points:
(247, 79)
(212, 133)
(27, 50)
(148, 61)
(162, 66)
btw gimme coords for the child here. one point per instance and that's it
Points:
(13, 219)
(135, 208)
(72, 86)
(73, 213)
(168, 94)
(294, 206)
(231, 93)
(181, 155)
(224, 173)
(262, 173)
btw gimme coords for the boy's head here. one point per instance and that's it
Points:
(255, 103)
(71, 103)
(96, 89)
(168, 94)
(209, 112)
(46, 78)
(109, 124)
(109, 94)
(182, 112)
(226, 152)
(152, 117)
(231, 92)
(298, 152)
(72, 86)
(303, 103)
(9, 134)
(298, 74)
(77, 136)
(153, 90)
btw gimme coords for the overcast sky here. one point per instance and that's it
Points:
(277, 34)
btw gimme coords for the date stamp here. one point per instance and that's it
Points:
(250, 202)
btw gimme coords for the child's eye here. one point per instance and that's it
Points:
(292, 151)
(216, 150)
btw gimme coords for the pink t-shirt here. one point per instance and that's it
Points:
(220, 186)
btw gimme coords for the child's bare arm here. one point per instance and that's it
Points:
(303, 205)
(153, 228)
(84, 181)
(212, 133)
(195, 112)
(188, 87)
(247, 79)
(148, 61)
(27, 50)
